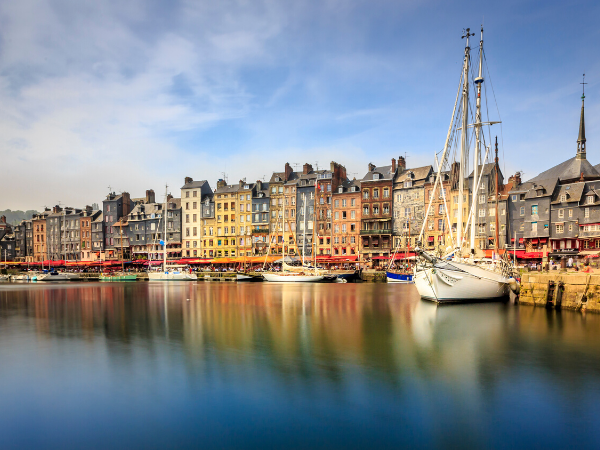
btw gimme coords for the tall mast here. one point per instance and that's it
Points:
(304, 228)
(497, 240)
(463, 150)
(478, 83)
(164, 214)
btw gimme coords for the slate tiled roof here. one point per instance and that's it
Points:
(194, 184)
(573, 191)
(385, 171)
(420, 173)
(571, 169)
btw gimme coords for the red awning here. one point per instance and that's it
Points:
(512, 239)
(534, 241)
(543, 240)
(430, 238)
(520, 240)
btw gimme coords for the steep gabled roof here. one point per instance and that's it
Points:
(420, 173)
(571, 169)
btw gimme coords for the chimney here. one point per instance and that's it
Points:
(307, 168)
(56, 209)
(401, 164)
(242, 183)
(258, 185)
(288, 172)
(169, 198)
(371, 167)
(2, 219)
(126, 203)
(393, 165)
(518, 179)
(150, 197)
(187, 181)
(221, 183)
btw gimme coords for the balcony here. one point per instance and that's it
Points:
(372, 232)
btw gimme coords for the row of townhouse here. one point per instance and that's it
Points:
(323, 212)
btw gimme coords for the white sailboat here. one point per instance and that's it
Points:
(456, 278)
(172, 272)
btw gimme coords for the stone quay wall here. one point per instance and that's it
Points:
(574, 290)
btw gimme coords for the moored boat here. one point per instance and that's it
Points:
(399, 277)
(118, 276)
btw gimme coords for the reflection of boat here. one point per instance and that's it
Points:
(398, 277)
(118, 276)
(4, 277)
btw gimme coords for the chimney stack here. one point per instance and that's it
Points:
(188, 180)
(288, 172)
(393, 164)
(371, 167)
(401, 164)
(221, 183)
(150, 197)
(56, 209)
(307, 168)
(258, 185)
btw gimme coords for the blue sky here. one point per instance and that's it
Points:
(137, 94)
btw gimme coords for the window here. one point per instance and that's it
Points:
(441, 209)
(586, 213)
(187, 194)
(560, 228)
(386, 193)
(570, 213)
(522, 210)
(366, 194)
(534, 210)
(482, 199)
(514, 198)
(365, 210)
(482, 213)
(589, 199)
(561, 213)
(534, 227)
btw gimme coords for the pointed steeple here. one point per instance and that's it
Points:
(581, 139)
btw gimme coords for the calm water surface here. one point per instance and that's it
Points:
(211, 365)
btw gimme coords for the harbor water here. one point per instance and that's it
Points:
(261, 365)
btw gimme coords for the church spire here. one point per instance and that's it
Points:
(581, 139)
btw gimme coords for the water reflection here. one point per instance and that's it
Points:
(356, 364)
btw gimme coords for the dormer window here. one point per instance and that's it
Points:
(408, 183)
(246, 186)
(563, 197)
(590, 199)
(376, 176)
(340, 190)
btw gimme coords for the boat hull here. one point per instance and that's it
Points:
(405, 278)
(172, 276)
(469, 284)
(243, 277)
(290, 278)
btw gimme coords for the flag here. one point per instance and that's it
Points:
(162, 243)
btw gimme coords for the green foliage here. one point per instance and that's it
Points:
(14, 217)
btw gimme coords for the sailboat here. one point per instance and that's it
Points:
(172, 272)
(294, 274)
(455, 278)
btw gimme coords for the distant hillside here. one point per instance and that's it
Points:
(14, 217)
